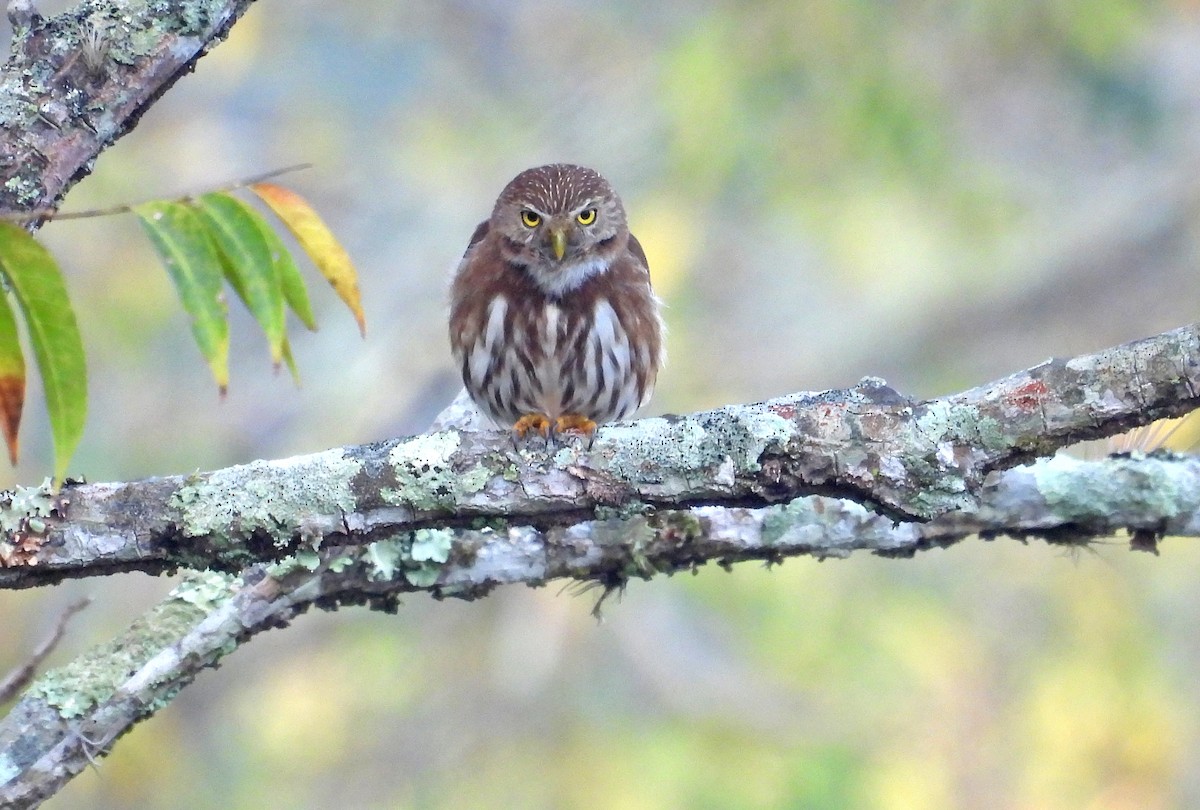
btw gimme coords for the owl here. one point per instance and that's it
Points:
(553, 322)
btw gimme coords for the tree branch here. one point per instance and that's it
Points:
(910, 460)
(19, 678)
(78, 81)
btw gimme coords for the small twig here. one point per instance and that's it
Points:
(19, 678)
(55, 215)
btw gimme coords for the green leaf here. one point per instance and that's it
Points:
(249, 264)
(54, 335)
(12, 378)
(318, 242)
(180, 236)
(290, 279)
(290, 362)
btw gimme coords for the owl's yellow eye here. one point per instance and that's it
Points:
(587, 217)
(530, 219)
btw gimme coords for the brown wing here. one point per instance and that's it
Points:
(477, 280)
(637, 309)
(481, 231)
(635, 247)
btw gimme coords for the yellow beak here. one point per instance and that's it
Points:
(558, 242)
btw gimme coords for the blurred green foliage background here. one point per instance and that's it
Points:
(937, 193)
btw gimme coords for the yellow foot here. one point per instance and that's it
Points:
(532, 422)
(575, 422)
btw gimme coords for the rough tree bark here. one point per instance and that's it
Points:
(456, 513)
(905, 460)
(76, 82)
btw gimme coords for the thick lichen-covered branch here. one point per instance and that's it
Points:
(907, 459)
(74, 714)
(76, 82)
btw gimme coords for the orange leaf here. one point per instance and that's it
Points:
(318, 242)
(12, 401)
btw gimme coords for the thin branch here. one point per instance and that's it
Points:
(50, 214)
(19, 678)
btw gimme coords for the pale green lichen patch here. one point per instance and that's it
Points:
(23, 513)
(198, 17)
(429, 551)
(134, 37)
(798, 524)
(94, 677)
(424, 576)
(417, 556)
(794, 523)
(16, 112)
(825, 527)
(20, 505)
(340, 563)
(24, 190)
(660, 449)
(425, 477)
(384, 558)
(205, 589)
(942, 421)
(8, 769)
(278, 497)
(1083, 492)
(474, 480)
(432, 545)
(991, 434)
(931, 501)
(304, 560)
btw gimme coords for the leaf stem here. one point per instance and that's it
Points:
(43, 214)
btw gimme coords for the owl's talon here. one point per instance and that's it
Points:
(537, 423)
(576, 423)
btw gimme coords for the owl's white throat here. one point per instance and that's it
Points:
(556, 280)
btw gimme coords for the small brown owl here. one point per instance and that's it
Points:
(552, 318)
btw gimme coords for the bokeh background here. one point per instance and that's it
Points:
(937, 193)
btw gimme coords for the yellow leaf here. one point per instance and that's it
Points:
(318, 242)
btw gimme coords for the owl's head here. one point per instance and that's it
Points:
(563, 223)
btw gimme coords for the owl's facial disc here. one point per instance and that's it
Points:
(561, 225)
